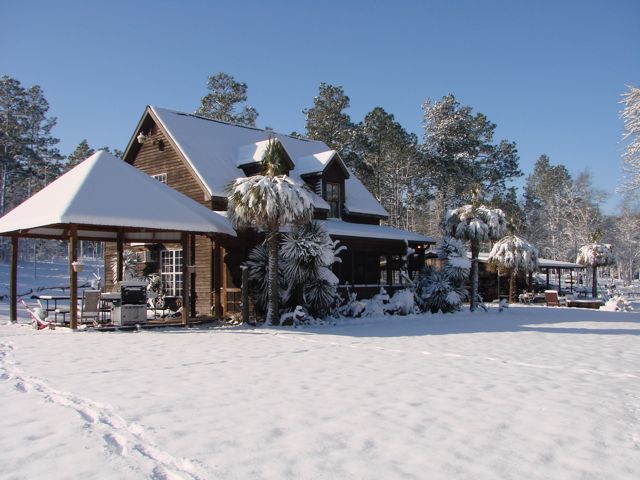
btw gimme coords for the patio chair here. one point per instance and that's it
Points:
(90, 307)
(553, 300)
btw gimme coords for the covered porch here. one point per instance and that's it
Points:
(105, 199)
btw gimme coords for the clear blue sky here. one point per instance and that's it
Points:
(548, 73)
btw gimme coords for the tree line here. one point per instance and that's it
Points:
(416, 179)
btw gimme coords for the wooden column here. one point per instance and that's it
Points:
(217, 279)
(559, 273)
(73, 290)
(245, 294)
(571, 280)
(186, 278)
(120, 257)
(547, 279)
(13, 281)
(192, 275)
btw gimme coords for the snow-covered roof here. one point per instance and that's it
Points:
(382, 232)
(542, 262)
(103, 191)
(216, 149)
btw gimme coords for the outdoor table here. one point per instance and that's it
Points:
(55, 299)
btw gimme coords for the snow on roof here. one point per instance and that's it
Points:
(105, 191)
(315, 163)
(216, 149)
(360, 200)
(251, 153)
(361, 230)
(542, 262)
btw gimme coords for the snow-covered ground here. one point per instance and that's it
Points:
(528, 393)
(532, 392)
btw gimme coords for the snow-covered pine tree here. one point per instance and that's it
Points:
(226, 101)
(514, 254)
(461, 152)
(631, 117)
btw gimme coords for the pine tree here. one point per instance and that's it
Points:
(28, 154)
(226, 101)
(631, 116)
(81, 153)
(326, 120)
(461, 152)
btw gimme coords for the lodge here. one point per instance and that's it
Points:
(200, 157)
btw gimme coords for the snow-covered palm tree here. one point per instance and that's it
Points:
(475, 224)
(594, 255)
(514, 254)
(267, 202)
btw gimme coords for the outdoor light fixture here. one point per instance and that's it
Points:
(141, 138)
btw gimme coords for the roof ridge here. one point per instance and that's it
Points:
(233, 124)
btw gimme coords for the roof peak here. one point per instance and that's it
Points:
(232, 124)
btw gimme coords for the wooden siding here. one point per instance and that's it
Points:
(154, 161)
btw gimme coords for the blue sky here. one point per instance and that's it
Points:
(548, 73)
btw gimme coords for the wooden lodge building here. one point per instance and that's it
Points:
(200, 157)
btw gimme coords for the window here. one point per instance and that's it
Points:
(332, 196)
(171, 272)
(161, 177)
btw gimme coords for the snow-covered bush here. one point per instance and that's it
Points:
(617, 303)
(402, 302)
(453, 254)
(439, 292)
(306, 254)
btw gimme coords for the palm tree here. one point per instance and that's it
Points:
(595, 255)
(475, 224)
(269, 201)
(514, 254)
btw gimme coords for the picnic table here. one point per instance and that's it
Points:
(55, 309)
(594, 303)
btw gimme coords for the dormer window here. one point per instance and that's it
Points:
(332, 196)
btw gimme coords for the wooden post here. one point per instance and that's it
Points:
(217, 280)
(13, 281)
(245, 294)
(192, 275)
(186, 278)
(571, 280)
(120, 257)
(73, 275)
(559, 273)
(547, 279)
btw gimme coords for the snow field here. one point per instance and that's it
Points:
(532, 392)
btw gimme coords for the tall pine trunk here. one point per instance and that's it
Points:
(475, 250)
(512, 286)
(272, 310)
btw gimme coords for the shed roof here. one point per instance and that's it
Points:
(104, 195)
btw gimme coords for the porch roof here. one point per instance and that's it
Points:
(103, 197)
(542, 262)
(341, 228)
